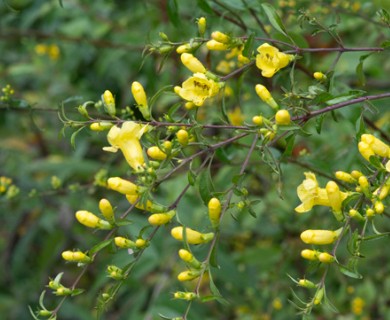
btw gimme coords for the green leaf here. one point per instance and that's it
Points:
(76, 292)
(173, 12)
(214, 290)
(123, 222)
(247, 51)
(319, 122)
(206, 187)
(290, 142)
(202, 4)
(345, 97)
(73, 137)
(359, 70)
(376, 162)
(191, 177)
(360, 127)
(273, 18)
(350, 273)
(99, 246)
(214, 258)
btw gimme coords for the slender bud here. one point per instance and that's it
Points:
(148, 205)
(335, 200)
(90, 220)
(106, 209)
(320, 237)
(140, 98)
(355, 215)
(75, 256)
(306, 283)
(159, 219)
(109, 102)
(188, 257)
(319, 76)
(122, 186)
(213, 45)
(124, 243)
(192, 63)
(214, 207)
(318, 296)
(356, 174)
(365, 150)
(344, 176)
(100, 126)
(325, 257)
(309, 254)
(192, 236)
(188, 275)
(62, 291)
(202, 26)
(184, 295)
(265, 95)
(156, 154)
(220, 37)
(382, 192)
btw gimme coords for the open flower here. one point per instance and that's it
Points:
(197, 89)
(270, 60)
(127, 139)
(311, 194)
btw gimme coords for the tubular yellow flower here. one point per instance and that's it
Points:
(192, 63)
(344, 176)
(75, 256)
(127, 139)
(187, 275)
(89, 220)
(220, 37)
(320, 237)
(184, 295)
(282, 117)
(140, 98)
(319, 76)
(197, 89)
(182, 137)
(365, 150)
(214, 207)
(335, 199)
(123, 186)
(192, 236)
(106, 209)
(309, 254)
(159, 219)
(124, 243)
(156, 154)
(311, 194)
(265, 95)
(377, 146)
(109, 102)
(214, 45)
(270, 60)
(325, 257)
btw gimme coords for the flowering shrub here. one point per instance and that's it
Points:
(197, 208)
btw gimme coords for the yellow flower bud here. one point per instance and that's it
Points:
(184, 48)
(188, 257)
(355, 215)
(124, 243)
(184, 295)
(320, 237)
(220, 37)
(202, 25)
(159, 219)
(141, 243)
(214, 207)
(156, 154)
(319, 76)
(122, 186)
(265, 95)
(182, 137)
(148, 206)
(115, 272)
(306, 283)
(356, 174)
(62, 291)
(335, 199)
(106, 209)
(139, 94)
(188, 275)
(89, 220)
(325, 257)
(257, 120)
(100, 126)
(344, 176)
(318, 296)
(382, 192)
(109, 102)
(75, 256)
(370, 212)
(189, 105)
(213, 45)
(309, 254)
(378, 147)
(365, 150)
(167, 145)
(192, 63)
(282, 117)
(379, 207)
(192, 236)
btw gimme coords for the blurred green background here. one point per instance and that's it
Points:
(54, 55)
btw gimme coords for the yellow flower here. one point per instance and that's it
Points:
(336, 198)
(123, 186)
(109, 102)
(270, 60)
(311, 194)
(377, 146)
(127, 139)
(266, 96)
(236, 118)
(320, 237)
(192, 63)
(188, 257)
(325, 257)
(197, 89)
(106, 209)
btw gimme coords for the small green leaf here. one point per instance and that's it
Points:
(273, 18)
(247, 51)
(74, 135)
(202, 4)
(376, 162)
(350, 273)
(123, 222)
(319, 122)
(99, 246)
(214, 257)
(76, 292)
(191, 177)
